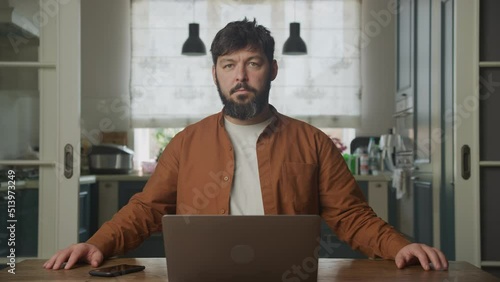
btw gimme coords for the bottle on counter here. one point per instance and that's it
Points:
(352, 162)
(373, 157)
(363, 158)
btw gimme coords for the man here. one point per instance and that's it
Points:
(249, 159)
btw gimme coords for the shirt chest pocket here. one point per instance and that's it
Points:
(300, 186)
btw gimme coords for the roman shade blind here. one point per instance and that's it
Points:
(172, 90)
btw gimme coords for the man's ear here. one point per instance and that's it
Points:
(214, 75)
(274, 70)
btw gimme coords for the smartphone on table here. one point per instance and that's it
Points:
(116, 270)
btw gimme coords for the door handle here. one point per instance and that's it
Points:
(466, 166)
(68, 161)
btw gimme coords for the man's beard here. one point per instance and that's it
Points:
(246, 110)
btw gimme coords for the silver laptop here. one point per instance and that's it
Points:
(241, 248)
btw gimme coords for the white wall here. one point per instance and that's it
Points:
(378, 67)
(105, 67)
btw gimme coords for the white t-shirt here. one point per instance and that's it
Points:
(246, 194)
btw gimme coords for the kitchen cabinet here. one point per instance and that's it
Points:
(27, 215)
(423, 210)
(413, 117)
(422, 88)
(413, 74)
(88, 200)
(115, 192)
(26, 225)
(405, 58)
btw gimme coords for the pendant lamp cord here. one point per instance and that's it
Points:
(294, 10)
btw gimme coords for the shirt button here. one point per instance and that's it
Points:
(222, 211)
(226, 178)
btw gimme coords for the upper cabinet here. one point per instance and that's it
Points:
(413, 79)
(422, 89)
(413, 116)
(405, 49)
(19, 84)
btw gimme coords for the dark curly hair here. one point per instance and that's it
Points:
(238, 35)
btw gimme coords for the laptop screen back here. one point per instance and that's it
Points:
(241, 248)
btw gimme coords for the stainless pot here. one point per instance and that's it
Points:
(110, 159)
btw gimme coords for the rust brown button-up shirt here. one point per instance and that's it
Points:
(300, 172)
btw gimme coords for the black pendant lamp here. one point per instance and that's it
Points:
(294, 45)
(193, 45)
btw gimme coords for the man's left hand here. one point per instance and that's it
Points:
(429, 257)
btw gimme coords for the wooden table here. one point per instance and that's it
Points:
(329, 270)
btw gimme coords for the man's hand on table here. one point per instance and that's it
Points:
(414, 253)
(78, 252)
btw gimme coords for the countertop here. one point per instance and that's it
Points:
(33, 184)
(139, 176)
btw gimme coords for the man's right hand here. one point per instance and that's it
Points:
(78, 252)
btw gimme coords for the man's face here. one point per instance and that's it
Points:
(243, 79)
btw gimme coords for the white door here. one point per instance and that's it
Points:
(39, 124)
(466, 121)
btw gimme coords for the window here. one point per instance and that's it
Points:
(169, 90)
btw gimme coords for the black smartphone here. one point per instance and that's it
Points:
(116, 270)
